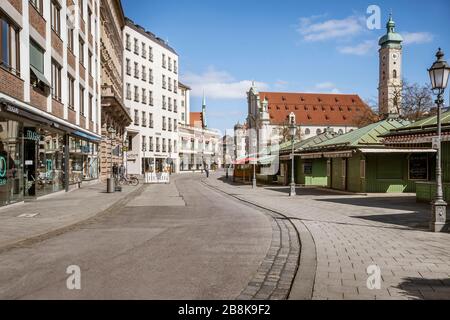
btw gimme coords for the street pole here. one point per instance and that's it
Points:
(292, 191)
(438, 219)
(439, 74)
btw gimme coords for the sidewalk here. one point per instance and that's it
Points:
(57, 212)
(352, 232)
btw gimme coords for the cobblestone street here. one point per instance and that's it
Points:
(351, 233)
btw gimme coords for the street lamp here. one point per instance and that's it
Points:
(110, 181)
(439, 73)
(254, 156)
(292, 133)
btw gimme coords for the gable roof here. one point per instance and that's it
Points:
(315, 109)
(370, 135)
(423, 126)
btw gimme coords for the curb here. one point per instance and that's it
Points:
(61, 230)
(302, 287)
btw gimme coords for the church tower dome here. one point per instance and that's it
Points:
(390, 77)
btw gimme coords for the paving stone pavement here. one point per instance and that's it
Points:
(274, 277)
(353, 232)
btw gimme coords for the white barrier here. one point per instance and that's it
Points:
(157, 178)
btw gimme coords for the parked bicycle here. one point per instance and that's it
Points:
(128, 180)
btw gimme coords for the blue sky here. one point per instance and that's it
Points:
(289, 45)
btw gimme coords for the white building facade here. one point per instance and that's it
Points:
(151, 92)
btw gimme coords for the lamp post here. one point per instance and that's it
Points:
(292, 132)
(110, 180)
(439, 73)
(126, 144)
(254, 154)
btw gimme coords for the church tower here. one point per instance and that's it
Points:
(390, 83)
(204, 110)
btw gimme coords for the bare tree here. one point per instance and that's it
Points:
(285, 134)
(416, 101)
(369, 116)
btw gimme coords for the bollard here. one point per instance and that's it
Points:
(110, 185)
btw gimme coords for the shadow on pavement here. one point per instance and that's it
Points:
(425, 289)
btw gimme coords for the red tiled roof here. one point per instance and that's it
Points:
(196, 119)
(315, 108)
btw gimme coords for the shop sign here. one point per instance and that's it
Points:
(418, 167)
(2, 167)
(32, 135)
(12, 109)
(157, 178)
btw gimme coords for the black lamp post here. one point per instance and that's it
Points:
(439, 73)
(110, 180)
(292, 132)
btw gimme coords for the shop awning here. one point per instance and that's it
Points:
(267, 160)
(312, 155)
(87, 136)
(41, 77)
(338, 154)
(381, 150)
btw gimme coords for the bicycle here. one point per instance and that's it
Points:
(128, 180)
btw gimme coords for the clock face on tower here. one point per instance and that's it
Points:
(395, 56)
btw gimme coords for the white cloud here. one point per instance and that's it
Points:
(219, 84)
(359, 49)
(417, 37)
(312, 30)
(327, 87)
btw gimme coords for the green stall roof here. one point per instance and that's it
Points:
(427, 124)
(367, 136)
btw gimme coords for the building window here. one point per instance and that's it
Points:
(90, 63)
(150, 98)
(91, 106)
(144, 96)
(70, 41)
(150, 54)
(136, 70)
(89, 21)
(136, 46)
(81, 53)
(144, 143)
(9, 49)
(56, 17)
(158, 147)
(175, 86)
(318, 131)
(164, 127)
(164, 85)
(128, 94)
(144, 73)
(175, 67)
(37, 66)
(150, 144)
(164, 145)
(71, 82)
(136, 93)
(56, 81)
(144, 52)
(150, 76)
(38, 5)
(175, 106)
(144, 119)
(164, 106)
(170, 104)
(163, 60)
(128, 42)
(395, 74)
(82, 106)
(136, 117)
(169, 120)
(150, 119)
(175, 125)
(128, 67)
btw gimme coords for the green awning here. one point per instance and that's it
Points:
(40, 76)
